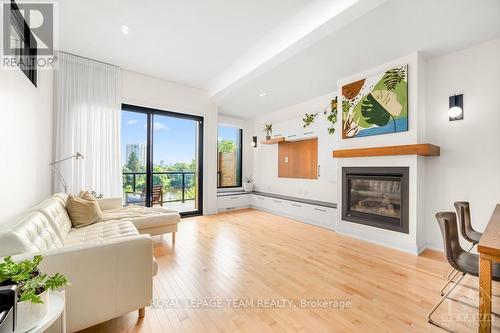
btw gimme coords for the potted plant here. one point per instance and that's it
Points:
(248, 184)
(32, 289)
(268, 129)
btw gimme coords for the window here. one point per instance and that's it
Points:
(229, 156)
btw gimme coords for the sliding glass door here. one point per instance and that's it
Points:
(162, 159)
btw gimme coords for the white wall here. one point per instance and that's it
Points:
(265, 157)
(469, 165)
(143, 90)
(25, 141)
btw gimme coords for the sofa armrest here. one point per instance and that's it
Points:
(108, 278)
(110, 203)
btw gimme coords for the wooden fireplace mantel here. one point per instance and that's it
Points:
(422, 149)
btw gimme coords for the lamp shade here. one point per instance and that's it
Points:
(456, 107)
(454, 112)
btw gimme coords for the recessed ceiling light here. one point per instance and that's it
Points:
(262, 94)
(124, 29)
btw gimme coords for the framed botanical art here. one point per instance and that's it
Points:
(377, 104)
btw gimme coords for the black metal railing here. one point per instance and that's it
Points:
(173, 182)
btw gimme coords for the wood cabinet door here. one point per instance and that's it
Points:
(298, 159)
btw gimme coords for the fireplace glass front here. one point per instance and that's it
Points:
(376, 196)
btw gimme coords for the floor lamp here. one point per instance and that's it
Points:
(76, 156)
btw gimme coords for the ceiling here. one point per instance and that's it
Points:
(292, 50)
(393, 29)
(191, 42)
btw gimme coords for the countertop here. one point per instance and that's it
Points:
(283, 197)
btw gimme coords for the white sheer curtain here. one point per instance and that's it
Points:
(87, 120)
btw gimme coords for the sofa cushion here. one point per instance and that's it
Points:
(31, 233)
(83, 211)
(101, 231)
(54, 209)
(143, 217)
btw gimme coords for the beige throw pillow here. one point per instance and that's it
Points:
(83, 212)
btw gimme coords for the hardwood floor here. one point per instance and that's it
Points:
(250, 255)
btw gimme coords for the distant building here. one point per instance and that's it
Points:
(139, 149)
(162, 163)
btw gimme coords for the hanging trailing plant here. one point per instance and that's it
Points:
(309, 119)
(331, 116)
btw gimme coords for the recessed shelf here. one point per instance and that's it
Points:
(422, 149)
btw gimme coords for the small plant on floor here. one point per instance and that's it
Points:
(268, 129)
(30, 282)
(248, 184)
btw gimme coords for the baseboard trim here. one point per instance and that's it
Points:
(409, 249)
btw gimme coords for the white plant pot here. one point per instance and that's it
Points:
(248, 187)
(30, 314)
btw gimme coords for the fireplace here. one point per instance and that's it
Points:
(376, 196)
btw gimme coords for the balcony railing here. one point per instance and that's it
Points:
(177, 186)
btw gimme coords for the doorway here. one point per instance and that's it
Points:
(162, 159)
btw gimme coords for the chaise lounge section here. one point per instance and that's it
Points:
(109, 264)
(148, 220)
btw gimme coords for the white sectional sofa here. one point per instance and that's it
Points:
(109, 264)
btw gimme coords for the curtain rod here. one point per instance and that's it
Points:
(76, 55)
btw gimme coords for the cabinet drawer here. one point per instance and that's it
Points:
(268, 203)
(276, 204)
(324, 216)
(312, 214)
(259, 201)
(296, 209)
(233, 201)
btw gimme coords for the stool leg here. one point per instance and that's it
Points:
(450, 280)
(450, 273)
(173, 238)
(142, 312)
(442, 300)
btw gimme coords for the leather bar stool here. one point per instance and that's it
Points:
(461, 260)
(463, 213)
(467, 231)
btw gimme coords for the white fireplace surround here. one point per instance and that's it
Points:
(413, 242)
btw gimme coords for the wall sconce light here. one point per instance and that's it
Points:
(254, 142)
(456, 110)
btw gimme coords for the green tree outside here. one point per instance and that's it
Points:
(172, 183)
(226, 146)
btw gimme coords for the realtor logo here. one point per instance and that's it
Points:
(38, 17)
(28, 34)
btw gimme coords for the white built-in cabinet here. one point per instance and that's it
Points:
(293, 130)
(308, 213)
